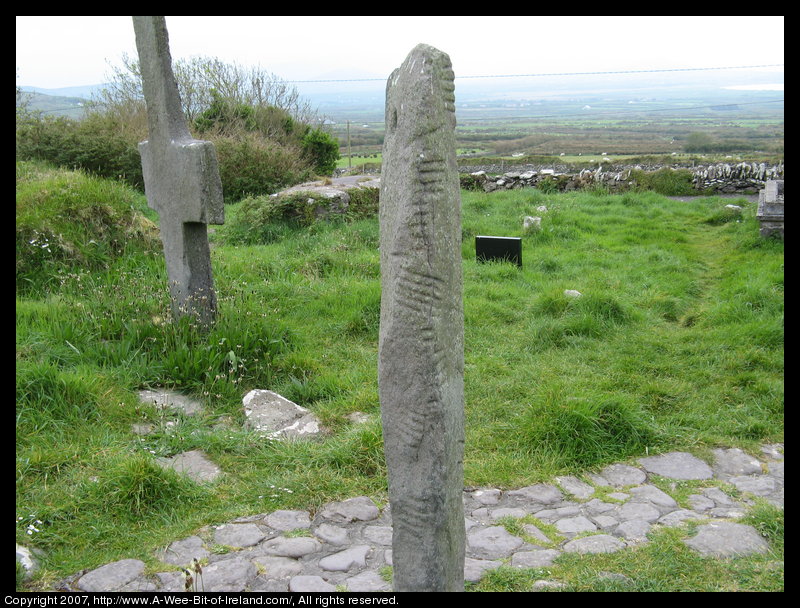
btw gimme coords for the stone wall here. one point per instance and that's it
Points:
(723, 178)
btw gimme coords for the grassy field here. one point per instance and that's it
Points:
(750, 131)
(676, 344)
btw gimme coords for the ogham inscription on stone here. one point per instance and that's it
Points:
(421, 344)
(181, 178)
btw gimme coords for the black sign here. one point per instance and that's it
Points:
(499, 248)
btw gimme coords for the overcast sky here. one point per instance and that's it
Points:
(64, 51)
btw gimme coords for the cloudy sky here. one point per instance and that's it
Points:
(64, 51)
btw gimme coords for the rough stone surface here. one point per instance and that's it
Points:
(598, 543)
(355, 543)
(310, 584)
(333, 535)
(546, 494)
(677, 465)
(181, 178)
(344, 561)
(633, 530)
(492, 543)
(734, 462)
(288, 520)
(230, 575)
(619, 475)
(575, 525)
(182, 552)
(575, 486)
(172, 401)
(292, 547)
(194, 463)
(541, 558)
(421, 342)
(278, 417)
(278, 567)
(652, 494)
(474, 569)
(638, 510)
(239, 535)
(360, 508)
(111, 577)
(727, 539)
(367, 582)
(26, 559)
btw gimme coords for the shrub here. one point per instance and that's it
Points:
(322, 150)
(97, 145)
(249, 165)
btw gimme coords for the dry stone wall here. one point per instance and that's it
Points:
(723, 178)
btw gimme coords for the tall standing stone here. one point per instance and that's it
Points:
(421, 345)
(181, 178)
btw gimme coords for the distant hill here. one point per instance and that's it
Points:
(85, 91)
(53, 105)
(67, 101)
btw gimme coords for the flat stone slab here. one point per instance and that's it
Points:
(334, 535)
(278, 417)
(489, 496)
(494, 542)
(310, 584)
(653, 495)
(598, 543)
(633, 530)
(360, 508)
(474, 569)
(288, 520)
(182, 552)
(291, 547)
(541, 558)
(544, 493)
(352, 540)
(239, 535)
(344, 561)
(619, 475)
(112, 577)
(367, 582)
(228, 575)
(760, 486)
(380, 535)
(727, 539)
(194, 463)
(677, 465)
(575, 525)
(171, 401)
(637, 510)
(277, 567)
(734, 462)
(575, 486)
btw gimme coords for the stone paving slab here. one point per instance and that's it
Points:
(346, 545)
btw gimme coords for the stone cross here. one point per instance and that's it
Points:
(181, 178)
(421, 343)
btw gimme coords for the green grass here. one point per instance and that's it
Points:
(676, 343)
